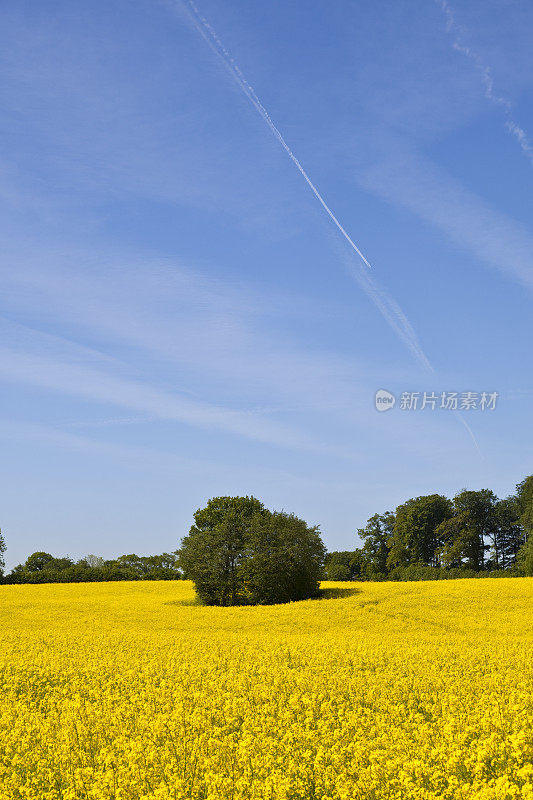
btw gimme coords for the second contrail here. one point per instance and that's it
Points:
(209, 34)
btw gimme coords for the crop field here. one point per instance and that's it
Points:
(390, 690)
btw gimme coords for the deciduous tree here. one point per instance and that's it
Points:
(238, 552)
(377, 535)
(479, 506)
(414, 538)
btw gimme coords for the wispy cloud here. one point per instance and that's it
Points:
(101, 387)
(104, 137)
(412, 181)
(161, 325)
(221, 340)
(110, 422)
(384, 302)
(458, 33)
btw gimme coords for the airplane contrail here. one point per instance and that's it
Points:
(209, 34)
(399, 323)
(386, 304)
(388, 307)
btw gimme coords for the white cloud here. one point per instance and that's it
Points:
(100, 387)
(485, 73)
(221, 340)
(413, 182)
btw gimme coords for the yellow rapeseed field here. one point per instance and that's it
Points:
(397, 690)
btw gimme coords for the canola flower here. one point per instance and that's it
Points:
(129, 691)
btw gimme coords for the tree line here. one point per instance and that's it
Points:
(474, 534)
(237, 553)
(43, 567)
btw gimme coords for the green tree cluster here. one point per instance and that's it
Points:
(525, 505)
(42, 567)
(240, 553)
(343, 565)
(432, 537)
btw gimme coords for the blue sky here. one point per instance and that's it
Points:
(179, 316)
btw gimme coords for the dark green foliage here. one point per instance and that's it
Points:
(2, 551)
(478, 508)
(336, 571)
(222, 509)
(509, 535)
(480, 517)
(414, 537)
(37, 562)
(44, 568)
(146, 568)
(423, 572)
(433, 538)
(213, 552)
(337, 566)
(345, 565)
(283, 559)
(238, 552)
(377, 535)
(459, 542)
(525, 557)
(524, 494)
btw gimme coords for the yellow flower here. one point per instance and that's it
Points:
(125, 691)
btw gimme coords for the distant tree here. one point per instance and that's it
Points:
(524, 494)
(163, 567)
(114, 570)
(416, 572)
(480, 507)
(376, 536)
(60, 564)
(2, 551)
(238, 552)
(358, 564)
(44, 568)
(508, 533)
(77, 573)
(344, 565)
(337, 571)
(414, 538)
(459, 542)
(92, 561)
(525, 557)
(38, 561)
(134, 564)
